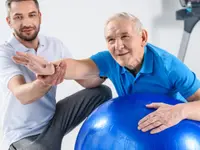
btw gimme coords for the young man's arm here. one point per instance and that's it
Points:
(12, 77)
(27, 92)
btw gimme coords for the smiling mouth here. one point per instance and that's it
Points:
(122, 54)
(29, 30)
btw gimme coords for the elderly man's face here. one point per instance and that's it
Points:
(24, 18)
(125, 45)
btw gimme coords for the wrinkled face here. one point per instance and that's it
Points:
(125, 45)
(24, 18)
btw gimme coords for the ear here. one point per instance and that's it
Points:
(144, 37)
(8, 21)
(40, 17)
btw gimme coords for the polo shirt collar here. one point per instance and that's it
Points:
(17, 46)
(147, 66)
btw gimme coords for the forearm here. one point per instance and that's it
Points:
(30, 92)
(79, 69)
(191, 110)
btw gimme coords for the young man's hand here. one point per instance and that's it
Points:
(35, 63)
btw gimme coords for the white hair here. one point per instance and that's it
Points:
(137, 25)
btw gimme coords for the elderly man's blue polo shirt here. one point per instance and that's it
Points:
(161, 72)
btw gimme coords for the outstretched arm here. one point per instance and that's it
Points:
(85, 71)
(79, 69)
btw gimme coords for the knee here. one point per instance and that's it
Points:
(105, 91)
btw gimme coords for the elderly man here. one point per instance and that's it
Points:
(133, 65)
(32, 120)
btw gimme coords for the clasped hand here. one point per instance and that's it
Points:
(48, 73)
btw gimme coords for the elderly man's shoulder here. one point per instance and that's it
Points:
(103, 56)
(161, 53)
(105, 53)
(163, 56)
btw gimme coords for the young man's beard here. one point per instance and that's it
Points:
(28, 37)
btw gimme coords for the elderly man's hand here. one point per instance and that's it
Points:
(164, 117)
(56, 78)
(35, 63)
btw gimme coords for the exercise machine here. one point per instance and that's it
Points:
(190, 14)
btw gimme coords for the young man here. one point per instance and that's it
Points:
(31, 118)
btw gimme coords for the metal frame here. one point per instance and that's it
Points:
(190, 20)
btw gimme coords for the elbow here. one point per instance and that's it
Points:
(87, 86)
(88, 83)
(23, 100)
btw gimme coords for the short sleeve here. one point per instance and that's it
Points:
(65, 51)
(61, 48)
(183, 79)
(8, 69)
(104, 62)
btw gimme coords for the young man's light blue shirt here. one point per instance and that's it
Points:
(18, 120)
(161, 72)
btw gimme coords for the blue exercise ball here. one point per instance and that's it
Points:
(113, 126)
